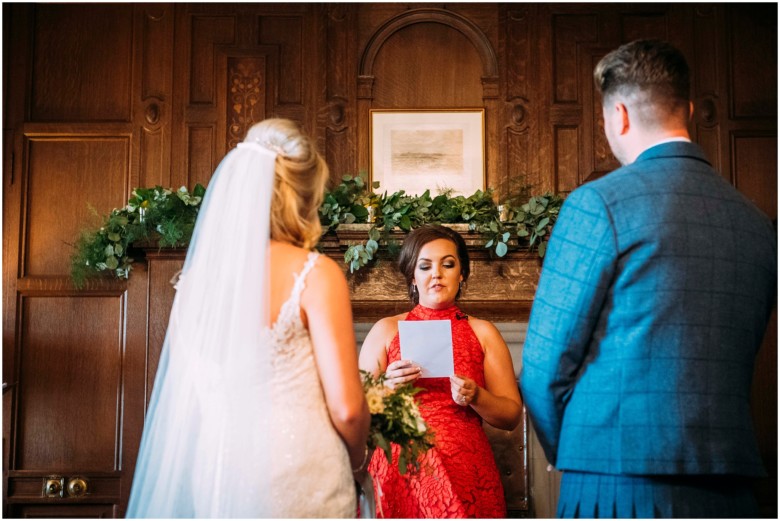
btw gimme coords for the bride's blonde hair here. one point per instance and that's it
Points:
(299, 184)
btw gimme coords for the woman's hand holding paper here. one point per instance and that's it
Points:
(401, 372)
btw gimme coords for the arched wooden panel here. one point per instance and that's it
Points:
(409, 71)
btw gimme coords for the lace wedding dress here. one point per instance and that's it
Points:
(237, 425)
(309, 467)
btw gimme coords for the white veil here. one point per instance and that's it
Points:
(203, 453)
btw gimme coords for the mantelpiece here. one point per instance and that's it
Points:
(498, 289)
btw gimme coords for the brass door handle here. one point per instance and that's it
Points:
(53, 486)
(77, 487)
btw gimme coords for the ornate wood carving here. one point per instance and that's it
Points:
(246, 104)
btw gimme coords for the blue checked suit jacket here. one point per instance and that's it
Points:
(654, 297)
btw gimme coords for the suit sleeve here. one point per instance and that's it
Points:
(578, 269)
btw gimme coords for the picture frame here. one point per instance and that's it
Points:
(428, 149)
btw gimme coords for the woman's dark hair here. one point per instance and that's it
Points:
(419, 237)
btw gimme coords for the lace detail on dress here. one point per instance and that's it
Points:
(300, 419)
(289, 324)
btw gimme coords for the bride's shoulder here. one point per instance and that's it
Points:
(287, 255)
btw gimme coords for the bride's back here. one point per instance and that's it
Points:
(286, 262)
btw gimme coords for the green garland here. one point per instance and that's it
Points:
(168, 217)
(152, 214)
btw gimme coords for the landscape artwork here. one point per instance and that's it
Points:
(427, 150)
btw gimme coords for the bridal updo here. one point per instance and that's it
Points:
(299, 185)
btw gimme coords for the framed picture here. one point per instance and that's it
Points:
(436, 150)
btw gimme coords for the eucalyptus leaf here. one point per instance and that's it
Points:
(405, 223)
(501, 249)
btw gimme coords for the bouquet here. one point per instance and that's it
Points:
(396, 418)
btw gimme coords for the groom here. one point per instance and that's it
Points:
(654, 298)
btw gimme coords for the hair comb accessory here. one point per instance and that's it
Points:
(273, 147)
(264, 146)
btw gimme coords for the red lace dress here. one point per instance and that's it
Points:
(458, 477)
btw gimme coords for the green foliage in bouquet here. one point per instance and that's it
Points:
(396, 418)
(158, 214)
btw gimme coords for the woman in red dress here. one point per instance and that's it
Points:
(458, 477)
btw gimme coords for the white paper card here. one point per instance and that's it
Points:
(428, 343)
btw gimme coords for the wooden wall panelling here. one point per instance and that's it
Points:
(338, 115)
(80, 73)
(66, 173)
(517, 165)
(69, 377)
(596, 154)
(17, 27)
(752, 44)
(197, 143)
(162, 266)
(153, 108)
(16, 59)
(297, 32)
(571, 32)
(67, 414)
(707, 62)
(135, 392)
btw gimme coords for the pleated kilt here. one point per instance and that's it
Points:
(587, 495)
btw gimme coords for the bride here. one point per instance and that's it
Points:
(257, 408)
